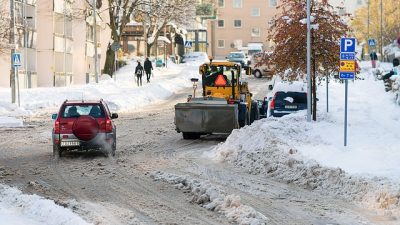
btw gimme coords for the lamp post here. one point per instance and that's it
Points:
(381, 42)
(96, 74)
(308, 61)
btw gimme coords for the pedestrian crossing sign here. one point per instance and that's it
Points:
(16, 59)
(188, 44)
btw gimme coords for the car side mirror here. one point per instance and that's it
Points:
(114, 115)
(270, 87)
(54, 116)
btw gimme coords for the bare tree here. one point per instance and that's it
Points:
(4, 27)
(119, 13)
(157, 14)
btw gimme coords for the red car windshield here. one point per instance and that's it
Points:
(73, 111)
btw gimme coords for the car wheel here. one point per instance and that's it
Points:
(254, 114)
(114, 147)
(257, 74)
(56, 152)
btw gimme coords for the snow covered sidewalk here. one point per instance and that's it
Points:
(122, 95)
(17, 208)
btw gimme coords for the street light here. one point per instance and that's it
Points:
(308, 61)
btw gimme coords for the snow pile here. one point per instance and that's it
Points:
(214, 199)
(19, 208)
(10, 122)
(312, 155)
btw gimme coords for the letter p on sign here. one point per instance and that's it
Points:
(348, 45)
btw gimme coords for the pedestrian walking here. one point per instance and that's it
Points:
(139, 73)
(374, 57)
(148, 67)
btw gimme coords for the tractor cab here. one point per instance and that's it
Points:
(220, 80)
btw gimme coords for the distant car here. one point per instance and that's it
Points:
(84, 125)
(261, 65)
(239, 57)
(286, 98)
(200, 57)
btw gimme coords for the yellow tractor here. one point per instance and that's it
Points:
(226, 102)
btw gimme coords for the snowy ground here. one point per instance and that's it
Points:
(313, 154)
(21, 209)
(122, 95)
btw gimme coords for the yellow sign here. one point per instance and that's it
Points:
(347, 66)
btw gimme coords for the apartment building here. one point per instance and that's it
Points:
(349, 6)
(55, 39)
(240, 23)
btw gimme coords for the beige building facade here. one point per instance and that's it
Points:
(55, 39)
(240, 24)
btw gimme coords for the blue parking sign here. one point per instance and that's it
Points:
(347, 45)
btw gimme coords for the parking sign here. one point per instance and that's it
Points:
(348, 45)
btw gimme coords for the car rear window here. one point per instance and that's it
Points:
(236, 55)
(72, 111)
(292, 97)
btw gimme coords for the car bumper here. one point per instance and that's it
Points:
(70, 141)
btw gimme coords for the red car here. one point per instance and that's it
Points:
(84, 125)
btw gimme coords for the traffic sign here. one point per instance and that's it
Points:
(346, 75)
(16, 59)
(188, 44)
(348, 45)
(347, 66)
(371, 42)
(347, 56)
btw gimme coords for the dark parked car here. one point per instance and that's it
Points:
(284, 103)
(84, 125)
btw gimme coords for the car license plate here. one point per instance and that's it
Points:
(290, 106)
(69, 143)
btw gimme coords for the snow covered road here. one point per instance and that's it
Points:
(122, 190)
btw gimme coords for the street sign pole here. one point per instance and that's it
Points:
(327, 93)
(12, 42)
(346, 84)
(347, 71)
(308, 61)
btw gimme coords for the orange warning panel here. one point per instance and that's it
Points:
(220, 81)
(347, 66)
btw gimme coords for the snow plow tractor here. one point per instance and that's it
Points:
(226, 103)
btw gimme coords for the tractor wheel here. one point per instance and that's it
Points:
(190, 135)
(254, 114)
(257, 74)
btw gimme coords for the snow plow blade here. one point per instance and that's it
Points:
(206, 118)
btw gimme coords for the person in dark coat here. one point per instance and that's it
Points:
(374, 57)
(394, 71)
(139, 73)
(148, 67)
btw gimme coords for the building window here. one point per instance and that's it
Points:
(271, 23)
(221, 3)
(221, 43)
(255, 32)
(237, 23)
(255, 12)
(221, 23)
(273, 3)
(237, 3)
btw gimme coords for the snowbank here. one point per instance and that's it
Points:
(312, 155)
(20, 209)
(214, 199)
(10, 122)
